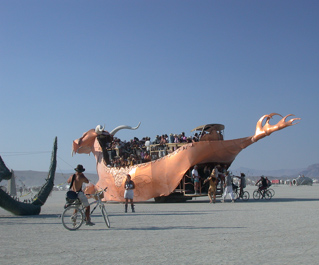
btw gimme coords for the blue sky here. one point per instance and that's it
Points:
(67, 66)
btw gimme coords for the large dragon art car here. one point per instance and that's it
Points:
(160, 177)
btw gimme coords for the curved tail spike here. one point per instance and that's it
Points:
(121, 127)
(46, 189)
(290, 122)
(5, 173)
(274, 114)
(34, 208)
(267, 129)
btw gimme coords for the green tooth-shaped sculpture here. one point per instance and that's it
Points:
(21, 208)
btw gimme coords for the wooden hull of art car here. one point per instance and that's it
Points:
(167, 175)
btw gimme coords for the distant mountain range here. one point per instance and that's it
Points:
(311, 171)
(36, 178)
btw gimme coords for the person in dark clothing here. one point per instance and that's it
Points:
(262, 183)
(105, 141)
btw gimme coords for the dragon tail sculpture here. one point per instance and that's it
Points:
(34, 208)
(5, 173)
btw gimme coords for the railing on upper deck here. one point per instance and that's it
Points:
(158, 150)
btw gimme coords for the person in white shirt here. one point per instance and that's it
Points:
(228, 187)
(196, 178)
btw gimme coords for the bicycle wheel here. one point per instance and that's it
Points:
(272, 192)
(245, 196)
(267, 195)
(106, 218)
(236, 196)
(256, 195)
(72, 217)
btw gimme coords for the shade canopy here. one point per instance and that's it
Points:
(209, 127)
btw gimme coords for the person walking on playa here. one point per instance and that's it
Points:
(129, 187)
(76, 181)
(228, 187)
(212, 185)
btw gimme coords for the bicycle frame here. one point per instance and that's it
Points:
(97, 203)
(76, 211)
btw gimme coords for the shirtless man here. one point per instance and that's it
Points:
(79, 179)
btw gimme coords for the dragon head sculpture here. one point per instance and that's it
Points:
(85, 144)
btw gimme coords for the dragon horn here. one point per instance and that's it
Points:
(114, 131)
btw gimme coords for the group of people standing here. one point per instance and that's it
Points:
(218, 175)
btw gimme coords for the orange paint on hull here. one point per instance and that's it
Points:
(160, 177)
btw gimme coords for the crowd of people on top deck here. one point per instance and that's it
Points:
(136, 151)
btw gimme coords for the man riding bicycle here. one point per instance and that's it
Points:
(263, 184)
(76, 181)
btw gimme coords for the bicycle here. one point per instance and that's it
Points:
(245, 196)
(262, 193)
(74, 214)
(272, 192)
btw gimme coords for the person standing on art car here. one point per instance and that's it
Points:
(129, 187)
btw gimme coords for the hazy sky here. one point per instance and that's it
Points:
(67, 66)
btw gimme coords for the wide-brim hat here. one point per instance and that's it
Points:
(79, 168)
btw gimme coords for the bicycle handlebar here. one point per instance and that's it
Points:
(98, 193)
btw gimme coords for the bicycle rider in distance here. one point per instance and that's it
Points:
(242, 184)
(78, 180)
(263, 184)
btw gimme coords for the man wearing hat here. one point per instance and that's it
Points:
(77, 181)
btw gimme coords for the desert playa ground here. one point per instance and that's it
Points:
(283, 230)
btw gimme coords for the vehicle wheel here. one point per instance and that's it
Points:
(267, 195)
(105, 216)
(272, 192)
(72, 217)
(246, 196)
(256, 195)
